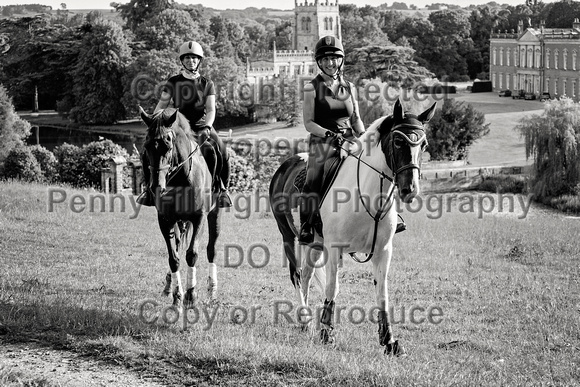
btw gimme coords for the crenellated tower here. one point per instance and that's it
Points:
(313, 21)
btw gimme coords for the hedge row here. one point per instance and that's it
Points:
(81, 166)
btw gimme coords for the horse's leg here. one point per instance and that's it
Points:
(191, 258)
(213, 221)
(327, 318)
(381, 262)
(168, 233)
(310, 260)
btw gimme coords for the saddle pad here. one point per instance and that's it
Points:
(331, 167)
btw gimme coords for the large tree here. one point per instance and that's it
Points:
(167, 30)
(13, 129)
(390, 64)
(136, 12)
(553, 140)
(98, 89)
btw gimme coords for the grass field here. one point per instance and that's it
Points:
(507, 287)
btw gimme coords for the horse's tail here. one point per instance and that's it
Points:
(283, 198)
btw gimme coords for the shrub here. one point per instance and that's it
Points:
(70, 168)
(47, 162)
(22, 165)
(453, 129)
(516, 184)
(95, 156)
(242, 173)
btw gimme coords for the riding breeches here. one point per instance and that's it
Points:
(216, 156)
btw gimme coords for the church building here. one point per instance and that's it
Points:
(311, 21)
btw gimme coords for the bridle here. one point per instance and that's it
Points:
(170, 166)
(385, 205)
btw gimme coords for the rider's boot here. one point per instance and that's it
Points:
(308, 211)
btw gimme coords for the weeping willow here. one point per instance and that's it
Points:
(552, 139)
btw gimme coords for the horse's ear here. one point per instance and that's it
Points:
(398, 113)
(170, 120)
(427, 114)
(145, 117)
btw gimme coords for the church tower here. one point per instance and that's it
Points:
(313, 21)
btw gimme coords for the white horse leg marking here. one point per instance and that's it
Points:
(191, 277)
(212, 281)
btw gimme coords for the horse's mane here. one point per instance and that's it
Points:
(163, 115)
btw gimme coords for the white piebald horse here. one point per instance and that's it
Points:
(358, 212)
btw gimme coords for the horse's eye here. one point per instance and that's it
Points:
(398, 142)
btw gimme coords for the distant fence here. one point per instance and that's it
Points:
(440, 180)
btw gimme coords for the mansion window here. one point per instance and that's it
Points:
(556, 59)
(501, 58)
(548, 58)
(538, 58)
(530, 58)
(515, 57)
(574, 59)
(573, 88)
(494, 57)
(565, 60)
(522, 57)
(507, 57)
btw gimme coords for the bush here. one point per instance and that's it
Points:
(242, 173)
(81, 167)
(47, 162)
(22, 165)
(516, 184)
(566, 203)
(95, 156)
(453, 129)
(70, 168)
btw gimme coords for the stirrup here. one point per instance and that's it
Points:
(401, 227)
(146, 198)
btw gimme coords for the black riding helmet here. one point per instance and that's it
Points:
(328, 46)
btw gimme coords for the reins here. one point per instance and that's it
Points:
(384, 207)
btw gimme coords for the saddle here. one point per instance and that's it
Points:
(331, 167)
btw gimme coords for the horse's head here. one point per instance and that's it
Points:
(403, 141)
(159, 145)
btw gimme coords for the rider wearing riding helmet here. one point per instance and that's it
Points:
(194, 96)
(330, 111)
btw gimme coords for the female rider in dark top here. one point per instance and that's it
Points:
(194, 96)
(330, 110)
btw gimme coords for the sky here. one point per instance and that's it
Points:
(237, 4)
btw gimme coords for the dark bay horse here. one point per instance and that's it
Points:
(182, 184)
(357, 212)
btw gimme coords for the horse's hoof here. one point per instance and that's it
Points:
(327, 336)
(167, 290)
(190, 297)
(395, 349)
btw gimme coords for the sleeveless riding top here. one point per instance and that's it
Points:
(189, 96)
(332, 111)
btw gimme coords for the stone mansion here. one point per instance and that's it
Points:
(537, 60)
